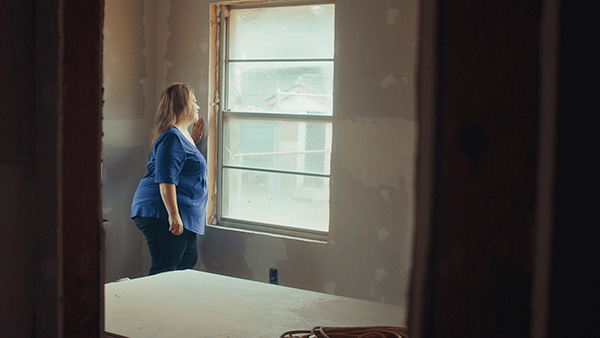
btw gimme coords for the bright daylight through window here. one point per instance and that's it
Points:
(276, 118)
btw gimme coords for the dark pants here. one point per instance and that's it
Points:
(168, 252)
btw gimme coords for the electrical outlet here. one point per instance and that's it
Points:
(273, 276)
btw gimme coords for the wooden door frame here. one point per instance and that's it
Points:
(69, 236)
(462, 255)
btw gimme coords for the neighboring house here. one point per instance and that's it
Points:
(299, 99)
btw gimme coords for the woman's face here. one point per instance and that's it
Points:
(193, 108)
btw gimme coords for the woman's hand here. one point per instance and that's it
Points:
(168, 193)
(197, 131)
(175, 225)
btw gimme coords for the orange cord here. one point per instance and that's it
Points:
(349, 332)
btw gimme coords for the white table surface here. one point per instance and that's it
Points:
(198, 304)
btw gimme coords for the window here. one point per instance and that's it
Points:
(275, 76)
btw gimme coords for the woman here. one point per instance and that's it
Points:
(169, 205)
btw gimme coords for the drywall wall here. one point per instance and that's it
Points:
(368, 253)
(140, 58)
(129, 103)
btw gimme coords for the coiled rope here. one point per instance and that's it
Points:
(349, 332)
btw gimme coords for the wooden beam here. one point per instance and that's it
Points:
(82, 237)
(480, 211)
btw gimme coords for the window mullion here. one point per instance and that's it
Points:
(287, 172)
(277, 116)
(281, 60)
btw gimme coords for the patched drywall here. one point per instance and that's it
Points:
(376, 152)
(146, 47)
(185, 51)
(129, 95)
(368, 253)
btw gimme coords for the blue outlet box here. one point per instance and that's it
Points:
(273, 276)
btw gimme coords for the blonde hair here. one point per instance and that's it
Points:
(175, 103)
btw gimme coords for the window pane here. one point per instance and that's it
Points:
(297, 32)
(274, 170)
(282, 87)
(280, 145)
(279, 199)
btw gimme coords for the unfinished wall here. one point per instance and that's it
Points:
(128, 80)
(140, 59)
(369, 249)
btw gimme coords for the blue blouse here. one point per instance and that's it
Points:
(174, 160)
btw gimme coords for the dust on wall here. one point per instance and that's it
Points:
(128, 81)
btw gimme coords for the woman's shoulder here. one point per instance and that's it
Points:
(170, 135)
(171, 132)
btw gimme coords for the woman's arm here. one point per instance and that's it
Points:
(169, 197)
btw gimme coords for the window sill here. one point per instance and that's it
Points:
(311, 238)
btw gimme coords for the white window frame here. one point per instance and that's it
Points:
(217, 82)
